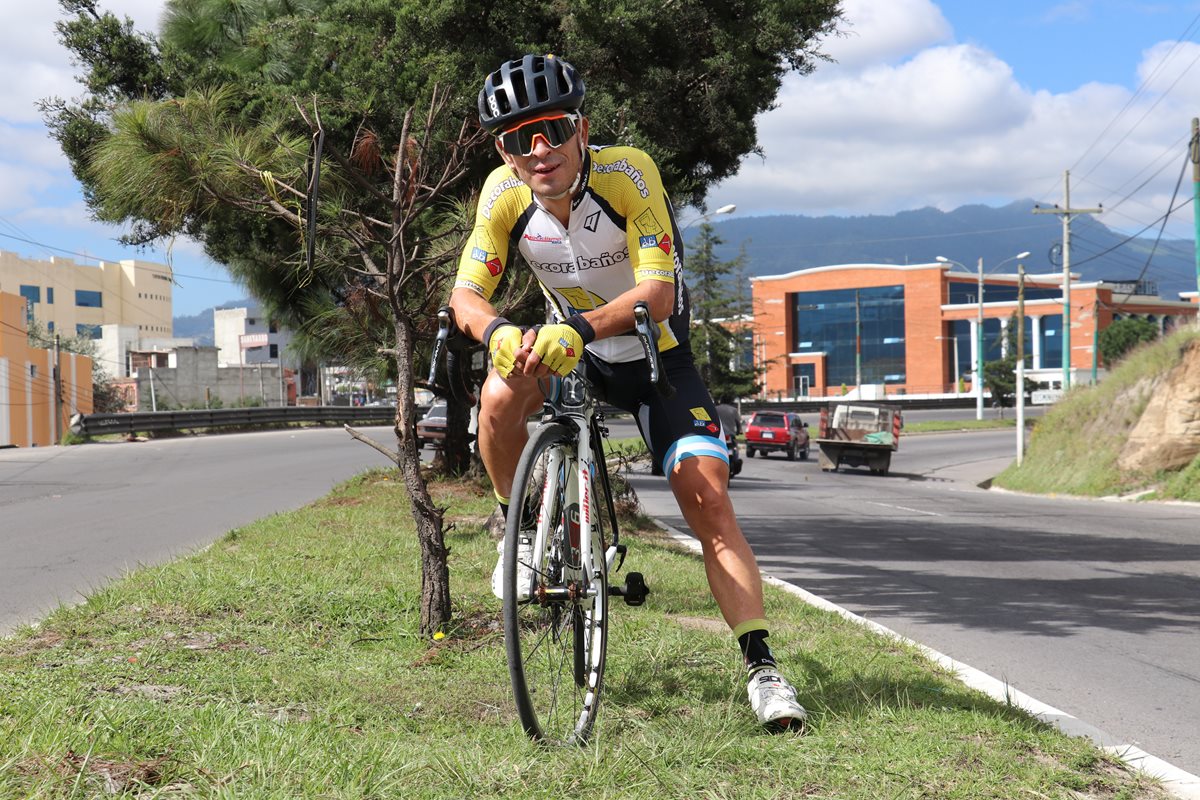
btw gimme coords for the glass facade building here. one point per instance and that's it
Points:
(838, 322)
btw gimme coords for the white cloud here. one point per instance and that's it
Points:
(882, 32)
(949, 125)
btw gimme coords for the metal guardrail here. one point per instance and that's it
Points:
(158, 421)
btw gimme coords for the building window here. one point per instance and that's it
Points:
(88, 331)
(833, 321)
(88, 299)
(50, 326)
(31, 293)
(1052, 342)
(274, 351)
(49, 295)
(272, 327)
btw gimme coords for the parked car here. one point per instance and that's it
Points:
(431, 428)
(777, 432)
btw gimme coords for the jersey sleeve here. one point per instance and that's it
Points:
(650, 225)
(485, 255)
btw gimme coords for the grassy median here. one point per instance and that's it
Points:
(283, 662)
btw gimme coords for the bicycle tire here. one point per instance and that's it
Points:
(555, 644)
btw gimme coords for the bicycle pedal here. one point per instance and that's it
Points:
(635, 589)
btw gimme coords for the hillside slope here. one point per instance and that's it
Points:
(1075, 448)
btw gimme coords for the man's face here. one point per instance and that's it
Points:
(549, 171)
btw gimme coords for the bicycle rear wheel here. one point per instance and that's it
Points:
(555, 617)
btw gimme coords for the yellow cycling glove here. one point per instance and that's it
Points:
(503, 340)
(561, 346)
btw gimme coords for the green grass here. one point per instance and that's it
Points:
(284, 662)
(1074, 448)
(945, 425)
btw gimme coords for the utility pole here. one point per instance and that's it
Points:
(57, 426)
(1066, 213)
(1196, 201)
(858, 343)
(979, 348)
(1020, 363)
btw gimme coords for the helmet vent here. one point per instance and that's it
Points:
(517, 79)
(539, 87)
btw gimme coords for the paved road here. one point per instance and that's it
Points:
(76, 517)
(1090, 606)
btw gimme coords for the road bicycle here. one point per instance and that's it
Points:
(561, 544)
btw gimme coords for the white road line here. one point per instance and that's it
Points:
(1178, 782)
(905, 508)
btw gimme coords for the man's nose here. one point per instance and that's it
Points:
(541, 146)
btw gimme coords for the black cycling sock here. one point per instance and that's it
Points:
(504, 510)
(755, 650)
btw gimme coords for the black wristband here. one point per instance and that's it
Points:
(491, 328)
(582, 327)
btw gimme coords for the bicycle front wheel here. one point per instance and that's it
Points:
(555, 616)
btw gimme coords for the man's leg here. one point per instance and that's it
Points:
(699, 484)
(699, 487)
(505, 406)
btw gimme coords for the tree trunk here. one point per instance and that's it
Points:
(435, 572)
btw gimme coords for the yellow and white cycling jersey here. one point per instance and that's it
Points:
(622, 231)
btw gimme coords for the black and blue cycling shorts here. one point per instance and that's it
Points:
(683, 426)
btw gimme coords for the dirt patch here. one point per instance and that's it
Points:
(114, 775)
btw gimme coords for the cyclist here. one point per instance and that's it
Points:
(597, 229)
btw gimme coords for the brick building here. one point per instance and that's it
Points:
(29, 415)
(914, 329)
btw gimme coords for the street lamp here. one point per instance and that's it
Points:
(979, 326)
(726, 209)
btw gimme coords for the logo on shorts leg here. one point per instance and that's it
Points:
(700, 413)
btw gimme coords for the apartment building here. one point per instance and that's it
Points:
(30, 415)
(247, 336)
(77, 299)
(916, 329)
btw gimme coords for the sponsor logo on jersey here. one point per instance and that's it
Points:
(463, 283)
(656, 273)
(494, 266)
(647, 223)
(700, 413)
(479, 254)
(486, 208)
(646, 242)
(625, 168)
(699, 423)
(580, 264)
(540, 237)
(712, 428)
(592, 221)
(665, 244)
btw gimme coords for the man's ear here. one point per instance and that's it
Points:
(583, 131)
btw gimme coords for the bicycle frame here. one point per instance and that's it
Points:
(570, 401)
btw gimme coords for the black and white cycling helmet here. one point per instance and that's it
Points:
(526, 88)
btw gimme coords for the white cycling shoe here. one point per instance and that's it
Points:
(774, 701)
(524, 570)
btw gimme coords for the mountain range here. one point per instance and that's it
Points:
(775, 245)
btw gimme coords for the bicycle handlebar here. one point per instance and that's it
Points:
(647, 333)
(450, 344)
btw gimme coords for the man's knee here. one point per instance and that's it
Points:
(700, 481)
(507, 401)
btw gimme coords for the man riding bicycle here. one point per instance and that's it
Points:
(598, 230)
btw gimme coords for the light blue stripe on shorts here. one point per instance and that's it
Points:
(690, 446)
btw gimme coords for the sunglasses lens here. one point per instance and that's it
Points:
(557, 131)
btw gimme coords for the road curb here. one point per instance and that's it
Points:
(1178, 782)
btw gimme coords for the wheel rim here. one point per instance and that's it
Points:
(556, 639)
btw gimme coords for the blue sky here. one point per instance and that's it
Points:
(928, 104)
